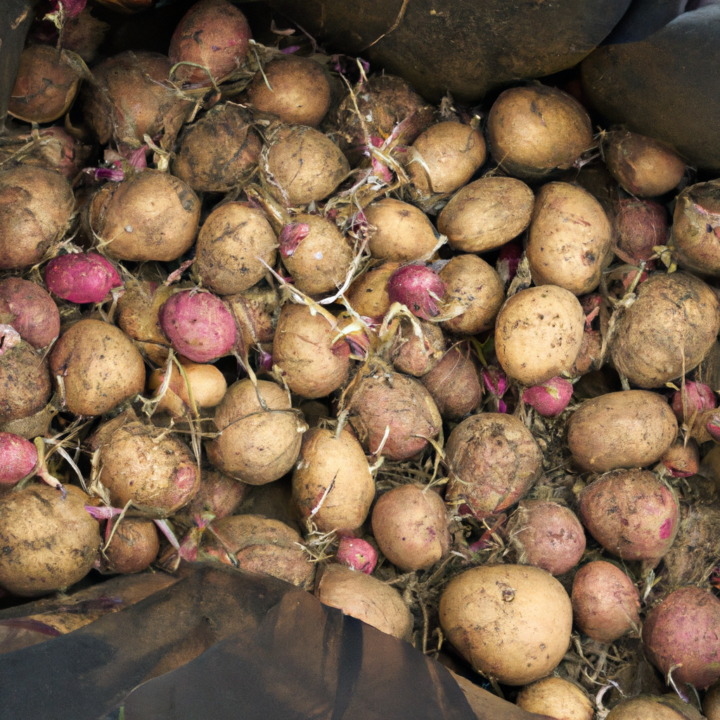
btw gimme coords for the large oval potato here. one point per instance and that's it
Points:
(538, 333)
(631, 428)
(570, 235)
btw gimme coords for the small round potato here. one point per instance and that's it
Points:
(538, 334)
(417, 355)
(557, 698)
(368, 295)
(454, 383)
(631, 428)
(402, 232)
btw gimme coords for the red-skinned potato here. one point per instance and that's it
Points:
(25, 386)
(454, 384)
(640, 226)
(557, 698)
(35, 314)
(402, 233)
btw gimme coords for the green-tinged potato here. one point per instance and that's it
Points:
(454, 384)
(368, 295)
(696, 228)
(570, 236)
(511, 622)
(486, 214)
(25, 386)
(402, 232)
(631, 428)
(557, 698)
(538, 334)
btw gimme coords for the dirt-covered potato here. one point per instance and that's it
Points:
(667, 331)
(366, 598)
(474, 288)
(454, 384)
(417, 354)
(254, 311)
(402, 232)
(138, 310)
(446, 157)
(299, 92)
(570, 236)
(557, 698)
(218, 152)
(696, 228)
(303, 165)
(35, 209)
(99, 366)
(229, 246)
(150, 216)
(256, 445)
(511, 622)
(332, 483)
(605, 602)
(49, 542)
(134, 545)
(486, 214)
(535, 129)
(493, 460)
(538, 333)
(25, 386)
(258, 544)
(631, 428)
(320, 262)
(368, 295)
(303, 349)
(410, 525)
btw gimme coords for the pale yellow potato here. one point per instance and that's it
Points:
(556, 698)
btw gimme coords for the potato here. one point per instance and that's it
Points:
(321, 262)
(303, 349)
(493, 461)
(410, 525)
(206, 383)
(402, 232)
(230, 245)
(49, 542)
(511, 622)
(35, 209)
(535, 129)
(667, 331)
(696, 228)
(557, 698)
(605, 602)
(368, 295)
(24, 383)
(570, 236)
(303, 166)
(149, 216)
(300, 93)
(640, 226)
(474, 287)
(454, 384)
(365, 598)
(682, 460)
(219, 152)
(254, 311)
(631, 428)
(332, 484)
(415, 355)
(631, 514)
(99, 365)
(137, 316)
(666, 707)
(447, 156)
(133, 547)
(486, 214)
(538, 334)
(218, 494)
(256, 445)
(711, 703)
(259, 545)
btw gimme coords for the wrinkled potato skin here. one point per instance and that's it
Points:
(557, 698)
(25, 386)
(493, 460)
(570, 236)
(695, 234)
(511, 622)
(368, 295)
(366, 598)
(674, 315)
(229, 244)
(631, 428)
(454, 384)
(413, 356)
(486, 214)
(53, 542)
(402, 232)
(410, 525)
(324, 460)
(538, 334)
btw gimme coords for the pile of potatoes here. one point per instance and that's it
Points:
(453, 370)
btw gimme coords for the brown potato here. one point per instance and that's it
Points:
(149, 216)
(320, 263)
(300, 93)
(447, 156)
(454, 384)
(631, 428)
(535, 129)
(493, 460)
(696, 228)
(304, 165)
(474, 287)
(254, 311)
(557, 698)
(133, 547)
(35, 210)
(711, 702)
(486, 214)
(229, 246)
(410, 525)
(402, 233)
(25, 386)
(415, 355)
(654, 708)
(511, 622)
(365, 598)
(570, 236)
(49, 542)
(218, 494)
(303, 349)
(138, 309)
(368, 295)
(667, 331)
(538, 334)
